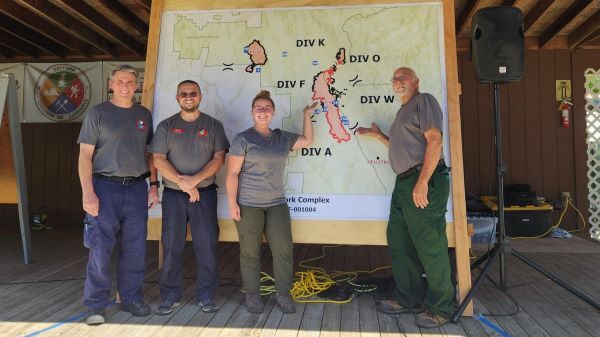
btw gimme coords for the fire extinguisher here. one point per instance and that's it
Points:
(564, 108)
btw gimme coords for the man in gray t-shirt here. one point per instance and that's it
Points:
(416, 231)
(113, 167)
(188, 149)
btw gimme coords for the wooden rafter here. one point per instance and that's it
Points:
(465, 14)
(146, 4)
(17, 29)
(124, 13)
(6, 51)
(585, 30)
(87, 13)
(562, 21)
(535, 13)
(20, 45)
(593, 39)
(508, 2)
(59, 18)
(43, 27)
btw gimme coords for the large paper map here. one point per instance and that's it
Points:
(342, 57)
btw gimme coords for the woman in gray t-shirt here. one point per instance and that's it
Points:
(257, 202)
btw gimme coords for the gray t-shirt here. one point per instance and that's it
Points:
(120, 137)
(407, 142)
(261, 177)
(189, 146)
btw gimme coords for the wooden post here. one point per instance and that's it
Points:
(152, 53)
(461, 238)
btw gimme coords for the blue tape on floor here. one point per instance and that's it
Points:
(68, 320)
(493, 326)
(54, 326)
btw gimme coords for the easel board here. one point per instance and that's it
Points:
(329, 229)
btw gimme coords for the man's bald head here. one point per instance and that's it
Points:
(405, 83)
(406, 70)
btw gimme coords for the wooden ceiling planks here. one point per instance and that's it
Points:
(118, 29)
(64, 21)
(563, 20)
(102, 24)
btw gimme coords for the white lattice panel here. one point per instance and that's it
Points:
(592, 116)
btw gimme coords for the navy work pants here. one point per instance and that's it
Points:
(122, 218)
(177, 211)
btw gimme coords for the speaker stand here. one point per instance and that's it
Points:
(501, 247)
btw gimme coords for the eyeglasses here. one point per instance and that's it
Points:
(399, 79)
(263, 108)
(125, 68)
(192, 94)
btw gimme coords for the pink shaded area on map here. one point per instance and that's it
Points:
(326, 94)
(257, 53)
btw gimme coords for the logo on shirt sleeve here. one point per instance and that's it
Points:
(141, 125)
(177, 130)
(202, 133)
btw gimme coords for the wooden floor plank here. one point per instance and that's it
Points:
(369, 323)
(471, 326)
(561, 315)
(500, 313)
(546, 308)
(290, 323)
(454, 330)
(531, 300)
(313, 312)
(388, 325)
(479, 307)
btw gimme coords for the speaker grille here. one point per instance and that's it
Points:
(498, 44)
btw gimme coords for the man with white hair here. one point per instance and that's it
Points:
(416, 231)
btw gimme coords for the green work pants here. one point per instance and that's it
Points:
(275, 223)
(418, 244)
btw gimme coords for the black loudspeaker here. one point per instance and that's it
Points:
(498, 44)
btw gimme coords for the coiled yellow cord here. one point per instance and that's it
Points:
(314, 281)
(562, 214)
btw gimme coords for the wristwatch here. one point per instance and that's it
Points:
(155, 183)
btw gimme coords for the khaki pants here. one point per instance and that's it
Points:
(275, 223)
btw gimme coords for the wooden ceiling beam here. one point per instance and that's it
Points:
(535, 13)
(20, 45)
(43, 27)
(100, 23)
(59, 18)
(509, 3)
(17, 29)
(593, 38)
(465, 14)
(562, 21)
(146, 4)
(6, 51)
(585, 30)
(115, 7)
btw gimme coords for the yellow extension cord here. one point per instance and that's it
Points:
(314, 280)
(562, 214)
